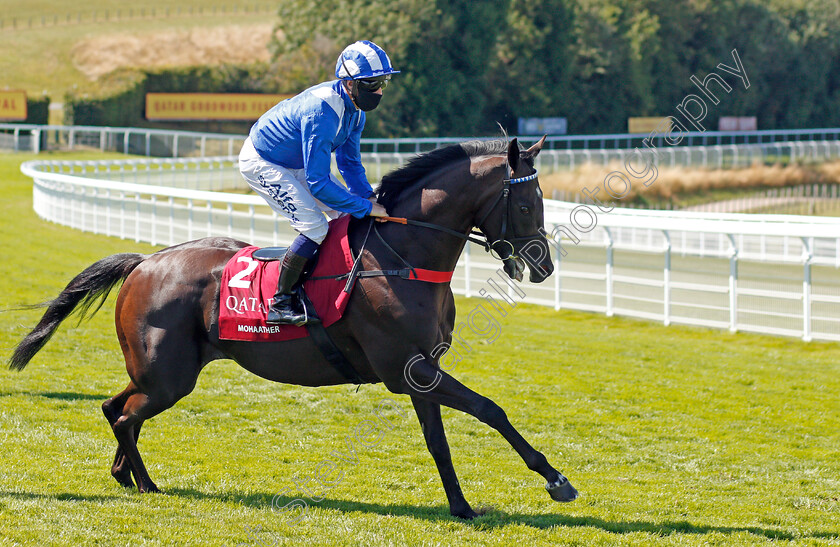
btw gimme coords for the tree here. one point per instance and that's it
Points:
(467, 65)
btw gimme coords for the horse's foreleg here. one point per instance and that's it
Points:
(429, 415)
(431, 384)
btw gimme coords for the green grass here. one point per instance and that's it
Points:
(674, 436)
(24, 10)
(39, 60)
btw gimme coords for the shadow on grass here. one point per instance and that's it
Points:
(60, 395)
(498, 519)
(66, 496)
(70, 395)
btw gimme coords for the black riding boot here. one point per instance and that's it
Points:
(287, 309)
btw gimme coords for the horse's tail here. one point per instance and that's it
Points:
(82, 293)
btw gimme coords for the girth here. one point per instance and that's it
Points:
(316, 329)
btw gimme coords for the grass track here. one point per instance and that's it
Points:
(674, 436)
(39, 59)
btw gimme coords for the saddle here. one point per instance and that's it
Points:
(250, 279)
(268, 254)
(271, 254)
(249, 282)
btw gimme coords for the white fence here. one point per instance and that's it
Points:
(808, 199)
(710, 156)
(712, 149)
(625, 141)
(774, 274)
(128, 140)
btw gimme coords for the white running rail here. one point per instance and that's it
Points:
(710, 149)
(775, 274)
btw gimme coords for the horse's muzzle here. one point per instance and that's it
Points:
(541, 272)
(538, 257)
(515, 269)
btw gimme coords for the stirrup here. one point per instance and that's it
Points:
(274, 316)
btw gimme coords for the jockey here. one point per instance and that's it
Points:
(286, 160)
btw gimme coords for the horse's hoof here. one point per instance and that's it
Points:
(466, 514)
(561, 490)
(125, 483)
(123, 477)
(150, 489)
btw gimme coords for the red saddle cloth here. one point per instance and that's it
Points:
(248, 286)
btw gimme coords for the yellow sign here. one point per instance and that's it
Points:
(12, 105)
(209, 106)
(648, 125)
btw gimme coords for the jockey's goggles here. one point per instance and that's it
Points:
(373, 84)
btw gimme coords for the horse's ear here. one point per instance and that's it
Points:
(513, 155)
(534, 150)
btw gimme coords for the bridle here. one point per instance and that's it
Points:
(479, 236)
(504, 198)
(331, 351)
(475, 236)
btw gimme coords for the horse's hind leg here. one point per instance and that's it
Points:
(166, 378)
(121, 468)
(138, 408)
(113, 408)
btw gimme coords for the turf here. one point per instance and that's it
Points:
(39, 59)
(674, 436)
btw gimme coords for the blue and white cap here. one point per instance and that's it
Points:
(361, 60)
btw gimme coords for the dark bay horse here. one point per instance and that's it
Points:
(168, 307)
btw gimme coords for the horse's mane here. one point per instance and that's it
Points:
(394, 183)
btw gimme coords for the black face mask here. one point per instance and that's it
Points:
(366, 100)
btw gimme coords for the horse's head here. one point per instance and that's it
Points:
(513, 221)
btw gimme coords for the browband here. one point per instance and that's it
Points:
(524, 179)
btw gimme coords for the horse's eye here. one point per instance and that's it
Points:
(525, 210)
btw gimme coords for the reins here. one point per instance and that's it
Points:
(476, 236)
(469, 237)
(432, 276)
